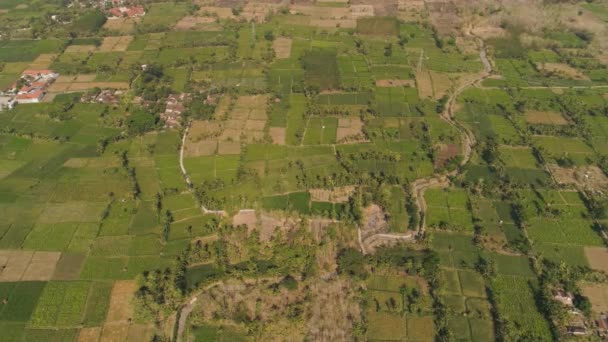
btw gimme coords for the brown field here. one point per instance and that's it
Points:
(245, 217)
(80, 48)
(333, 23)
(282, 47)
(121, 308)
(89, 334)
(337, 195)
(278, 135)
(442, 83)
(197, 23)
(119, 43)
(228, 147)
(564, 70)
(545, 118)
(424, 84)
(489, 32)
(334, 310)
(42, 266)
(43, 61)
(221, 12)
(319, 12)
(361, 11)
(395, 83)
(597, 258)
(140, 332)
(22, 265)
(60, 87)
(257, 11)
(269, 223)
(350, 130)
(122, 25)
(445, 152)
(582, 176)
(115, 332)
(598, 295)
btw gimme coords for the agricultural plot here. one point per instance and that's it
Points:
(448, 210)
(516, 303)
(321, 69)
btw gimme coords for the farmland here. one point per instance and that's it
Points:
(304, 171)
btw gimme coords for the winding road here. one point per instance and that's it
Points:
(468, 138)
(418, 187)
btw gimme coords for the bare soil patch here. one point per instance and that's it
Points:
(489, 32)
(395, 83)
(140, 332)
(278, 135)
(245, 217)
(282, 47)
(319, 12)
(196, 23)
(545, 118)
(361, 11)
(333, 311)
(270, 223)
(597, 257)
(258, 11)
(119, 43)
(121, 308)
(43, 61)
(15, 264)
(41, 267)
(122, 25)
(89, 334)
(350, 130)
(589, 176)
(424, 84)
(598, 296)
(337, 195)
(374, 221)
(115, 332)
(445, 152)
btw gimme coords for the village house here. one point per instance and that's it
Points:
(576, 324)
(31, 86)
(173, 110)
(106, 96)
(126, 12)
(563, 297)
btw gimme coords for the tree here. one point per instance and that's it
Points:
(352, 262)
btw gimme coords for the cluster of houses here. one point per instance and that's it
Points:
(126, 12)
(174, 109)
(577, 326)
(106, 96)
(29, 88)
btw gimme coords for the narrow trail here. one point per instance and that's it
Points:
(187, 177)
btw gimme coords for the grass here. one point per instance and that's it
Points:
(21, 302)
(61, 304)
(380, 26)
(321, 69)
(515, 297)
